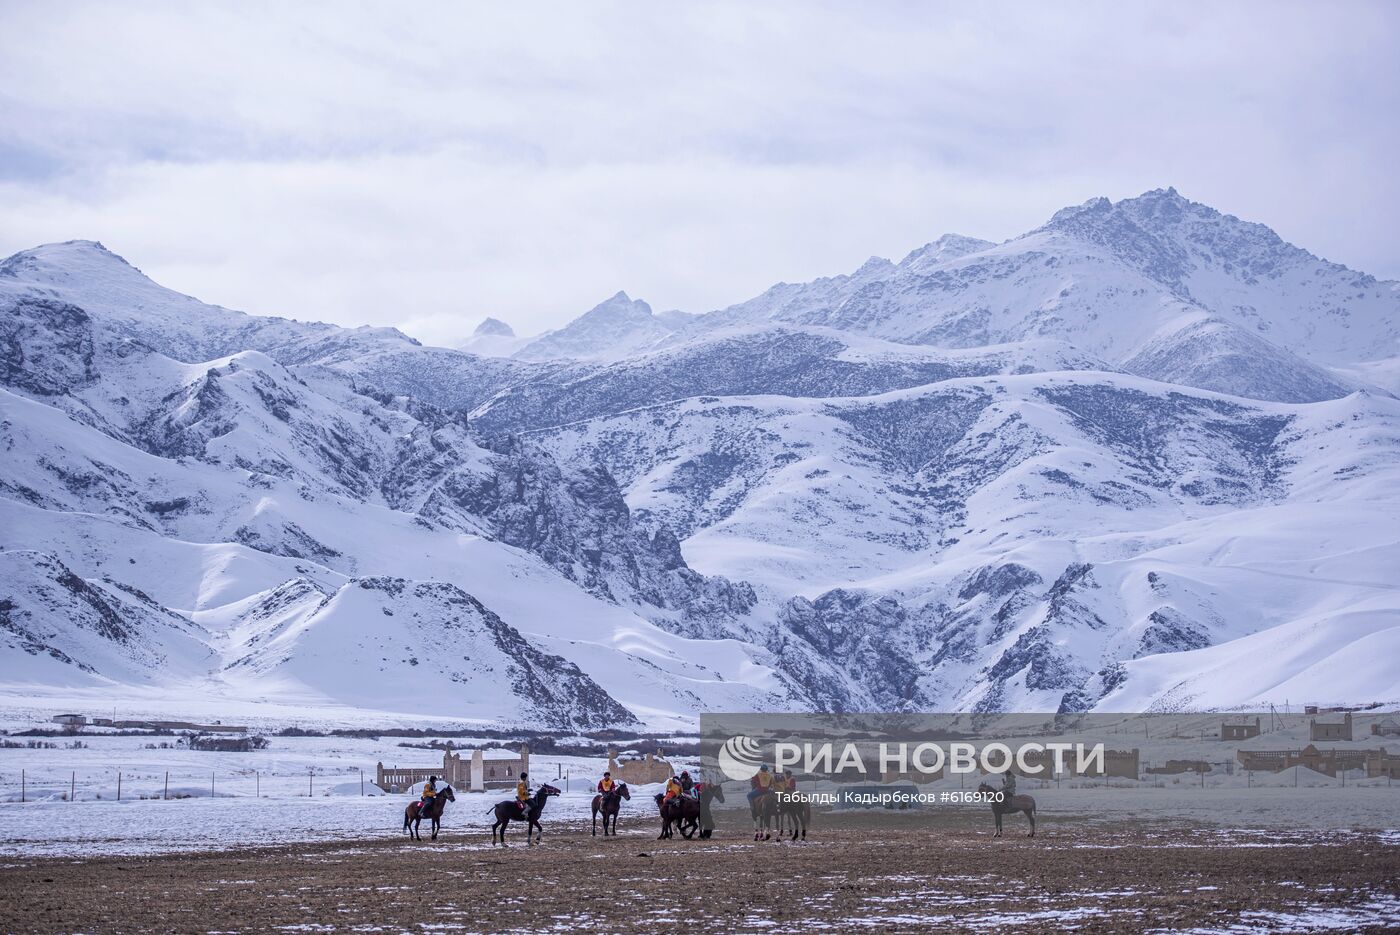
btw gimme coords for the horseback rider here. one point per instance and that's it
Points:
(761, 784)
(789, 781)
(606, 784)
(522, 794)
(1008, 787)
(687, 784)
(426, 799)
(779, 784)
(673, 789)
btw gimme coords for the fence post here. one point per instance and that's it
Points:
(310, 776)
(166, 794)
(257, 784)
(211, 784)
(119, 785)
(21, 786)
(362, 780)
(72, 785)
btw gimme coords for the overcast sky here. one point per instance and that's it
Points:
(427, 166)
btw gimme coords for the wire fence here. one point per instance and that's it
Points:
(131, 783)
(127, 783)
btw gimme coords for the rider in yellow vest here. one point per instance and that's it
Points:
(522, 793)
(760, 785)
(673, 789)
(606, 784)
(429, 790)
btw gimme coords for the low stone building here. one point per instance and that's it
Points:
(639, 771)
(1324, 730)
(1388, 727)
(1177, 767)
(1243, 731)
(474, 772)
(1329, 761)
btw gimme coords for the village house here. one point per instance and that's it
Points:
(1389, 727)
(1243, 731)
(1322, 730)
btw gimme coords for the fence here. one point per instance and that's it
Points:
(119, 783)
(126, 784)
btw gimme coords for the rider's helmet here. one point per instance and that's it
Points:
(763, 768)
(606, 774)
(685, 774)
(522, 775)
(432, 779)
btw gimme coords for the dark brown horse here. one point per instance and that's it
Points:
(414, 812)
(764, 809)
(709, 792)
(509, 811)
(681, 813)
(1018, 803)
(609, 803)
(798, 813)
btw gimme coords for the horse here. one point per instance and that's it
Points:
(609, 803)
(798, 812)
(508, 810)
(1018, 803)
(709, 792)
(414, 812)
(682, 812)
(764, 809)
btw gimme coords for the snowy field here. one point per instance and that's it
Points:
(300, 789)
(310, 789)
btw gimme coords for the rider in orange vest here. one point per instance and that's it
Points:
(522, 793)
(429, 790)
(673, 789)
(761, 784)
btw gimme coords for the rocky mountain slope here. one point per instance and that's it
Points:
(1100, 465)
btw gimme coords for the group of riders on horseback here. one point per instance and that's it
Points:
(684, 805)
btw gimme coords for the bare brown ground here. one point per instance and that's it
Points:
(1085, 876)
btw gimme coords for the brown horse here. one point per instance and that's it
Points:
(1018, 803)
(509, 811)
(798, 812)
(414, 812)
(681, 813)
(609, 803)
(764, 809)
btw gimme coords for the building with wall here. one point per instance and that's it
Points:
(1243, 731)
(469, 771)
(1323, 730)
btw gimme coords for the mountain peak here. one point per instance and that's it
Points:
(945, 248)
(494, 326)
(69, 255)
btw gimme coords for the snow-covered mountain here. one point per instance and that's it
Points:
(494, 338)
(1109, 463)
(610, 330)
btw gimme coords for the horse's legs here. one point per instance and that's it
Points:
(1030, 813)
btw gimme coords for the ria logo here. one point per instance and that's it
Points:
(740, 758)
